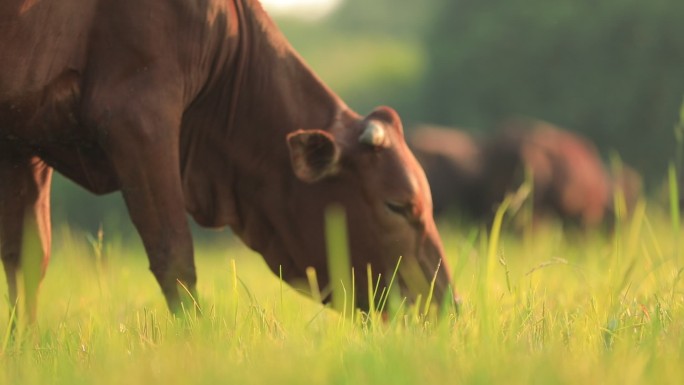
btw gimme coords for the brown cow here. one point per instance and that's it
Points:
(202, 106)
(452, 160)
(569, 180)
(568, 176)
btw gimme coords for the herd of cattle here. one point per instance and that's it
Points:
(568, 179)
(202, 107)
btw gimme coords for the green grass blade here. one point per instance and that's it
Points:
(674, 198)
(339, 264)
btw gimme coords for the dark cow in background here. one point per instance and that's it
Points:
(202, 106)
(452, 160)
(569, 180)
(568, 176)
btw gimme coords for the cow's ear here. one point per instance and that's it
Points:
(314, 154)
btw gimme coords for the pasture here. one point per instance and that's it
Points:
(539, 306)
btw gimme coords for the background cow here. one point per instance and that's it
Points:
(201, 106)
(568, 178)
(452, 160)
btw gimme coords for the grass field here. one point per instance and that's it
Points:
(542, 307)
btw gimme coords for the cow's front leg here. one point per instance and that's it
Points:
(144, 152)
(25, 236)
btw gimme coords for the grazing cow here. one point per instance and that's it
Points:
(568, 177)
(452, 160)
(202, 106)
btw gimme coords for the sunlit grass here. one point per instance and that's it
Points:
(555, 308)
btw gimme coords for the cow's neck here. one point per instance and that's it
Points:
(267, 92)
(278, 92)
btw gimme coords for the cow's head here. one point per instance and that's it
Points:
(366, 166)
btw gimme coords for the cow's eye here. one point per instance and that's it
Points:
(403, 209)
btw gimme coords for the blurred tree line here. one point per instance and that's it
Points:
(612, 70)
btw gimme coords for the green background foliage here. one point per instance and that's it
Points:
(612, 70)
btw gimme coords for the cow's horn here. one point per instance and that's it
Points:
(374, 135)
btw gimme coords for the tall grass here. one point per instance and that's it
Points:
(339, 265)
(556, 309)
